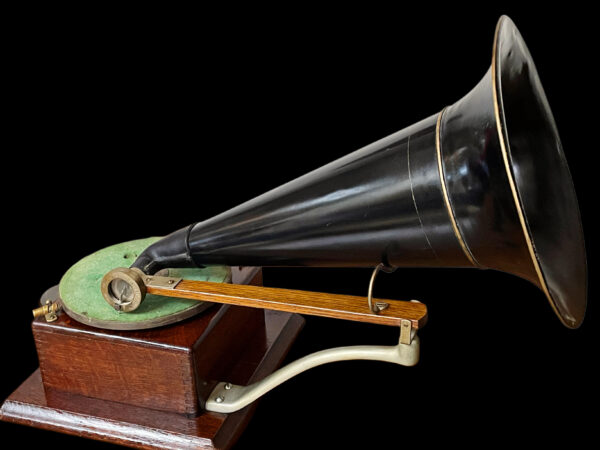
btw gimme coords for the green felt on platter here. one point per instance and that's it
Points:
(80, 287)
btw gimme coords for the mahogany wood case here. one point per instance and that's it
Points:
(145, 389)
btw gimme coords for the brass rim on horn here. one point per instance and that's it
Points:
(457, 233)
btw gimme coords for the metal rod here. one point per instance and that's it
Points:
(228, 398)
(379, 306)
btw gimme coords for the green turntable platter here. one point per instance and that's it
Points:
(82, 299)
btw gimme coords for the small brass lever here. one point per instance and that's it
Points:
(48, 310)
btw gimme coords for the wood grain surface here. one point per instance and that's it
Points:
(40, 406)
(160, 369)
(337, 306)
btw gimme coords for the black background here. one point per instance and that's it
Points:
(128, 125)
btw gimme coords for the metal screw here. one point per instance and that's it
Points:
(171, 281)
(381, 306)
(220, 399)
(228, 386)
(148, 280)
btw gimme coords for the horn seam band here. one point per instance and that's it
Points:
(412, 193)
(457, 232)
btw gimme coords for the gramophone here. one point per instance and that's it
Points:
(481, 184)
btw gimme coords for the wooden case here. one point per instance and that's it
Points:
(146, 388)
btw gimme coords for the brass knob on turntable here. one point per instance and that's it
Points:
(124, 289)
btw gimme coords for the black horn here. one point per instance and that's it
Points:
(482, 184)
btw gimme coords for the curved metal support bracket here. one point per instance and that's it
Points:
(228, 398)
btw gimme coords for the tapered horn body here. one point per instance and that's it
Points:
(482, 184)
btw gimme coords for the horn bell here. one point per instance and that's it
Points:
(509, 188)
(483, 184)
